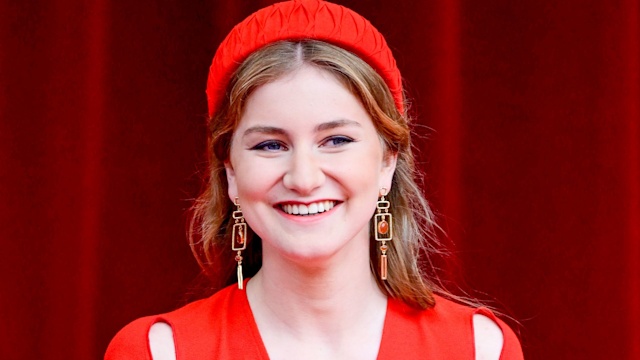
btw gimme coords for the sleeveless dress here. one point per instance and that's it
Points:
(222, 327)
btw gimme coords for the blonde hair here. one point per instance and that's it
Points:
(415, 242)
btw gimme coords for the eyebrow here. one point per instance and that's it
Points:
(272, 130)
(336, 124)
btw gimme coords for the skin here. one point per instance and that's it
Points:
(304, 139)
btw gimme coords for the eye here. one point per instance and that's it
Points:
(335, 141)
(270, 145)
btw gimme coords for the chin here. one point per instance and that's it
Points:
(308, 254)
(314, 252)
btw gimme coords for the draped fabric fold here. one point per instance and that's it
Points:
(527, 115)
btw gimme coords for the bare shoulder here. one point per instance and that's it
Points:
(161, 342)
(131, 342)
(143, 338)
(488, 338)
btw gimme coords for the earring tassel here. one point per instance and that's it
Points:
(240, 278)
(383, 267)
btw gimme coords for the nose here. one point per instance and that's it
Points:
(304, 173)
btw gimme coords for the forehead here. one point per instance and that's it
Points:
(308, 93)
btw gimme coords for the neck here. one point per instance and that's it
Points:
(319, 295)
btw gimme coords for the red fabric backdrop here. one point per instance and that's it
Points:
(533, 161)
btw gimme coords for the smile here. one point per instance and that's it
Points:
(309, 209)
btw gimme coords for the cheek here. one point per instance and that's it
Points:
(254, 178)
(359, 173)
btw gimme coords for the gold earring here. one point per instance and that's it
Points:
(383, 230)
(239, 239)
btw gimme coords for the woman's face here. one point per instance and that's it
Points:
(307, 166)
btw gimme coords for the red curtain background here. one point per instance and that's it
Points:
(533, 160)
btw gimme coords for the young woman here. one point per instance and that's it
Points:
(311, 213)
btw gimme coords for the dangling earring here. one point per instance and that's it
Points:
(239, 239)
(383, 230)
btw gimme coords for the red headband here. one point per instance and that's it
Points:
(297, 20)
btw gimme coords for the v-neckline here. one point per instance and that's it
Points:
(252, 325)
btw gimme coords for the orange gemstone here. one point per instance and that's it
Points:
(384, 248)
(238, 258)
(383, 227)
(240, 238)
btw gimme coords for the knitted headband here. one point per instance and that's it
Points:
(298, 20)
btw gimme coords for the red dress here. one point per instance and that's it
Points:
(222, 327)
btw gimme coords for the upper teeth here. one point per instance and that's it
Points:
(313, 208)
